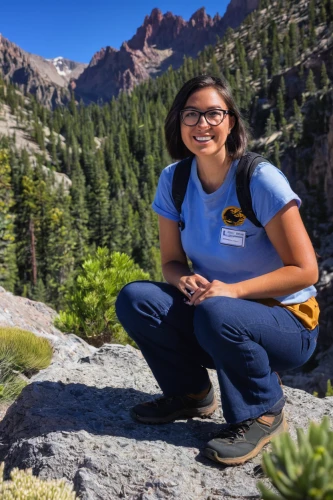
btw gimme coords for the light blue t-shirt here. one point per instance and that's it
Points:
(220, 242)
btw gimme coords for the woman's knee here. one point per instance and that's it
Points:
(144, 300)
(217, 316)
(129, 298)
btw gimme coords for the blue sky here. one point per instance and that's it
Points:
(77, 29)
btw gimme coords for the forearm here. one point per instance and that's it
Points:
(283, 281)
(174, 271)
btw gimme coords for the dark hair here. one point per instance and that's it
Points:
(238, 138)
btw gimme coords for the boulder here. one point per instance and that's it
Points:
(38, 318)
(73, 421)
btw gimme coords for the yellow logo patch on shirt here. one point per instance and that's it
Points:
(233, 216)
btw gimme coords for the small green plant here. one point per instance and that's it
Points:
(26, 351)
(91, 306)
(10, 383)
(21, 352)
(302, 471)
(24, 486)
(329, 389)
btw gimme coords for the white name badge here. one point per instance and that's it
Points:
(232, 237)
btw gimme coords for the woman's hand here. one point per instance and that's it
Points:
(214, 289)
(192, 285)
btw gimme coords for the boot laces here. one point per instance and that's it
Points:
(163, 400)
(234, 431)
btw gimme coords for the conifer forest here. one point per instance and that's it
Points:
(114, 152)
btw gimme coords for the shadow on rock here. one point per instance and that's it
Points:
(47, 407)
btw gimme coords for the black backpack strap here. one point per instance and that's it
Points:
(180, 180)
(245, 169)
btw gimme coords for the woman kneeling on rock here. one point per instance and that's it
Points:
(246, 305)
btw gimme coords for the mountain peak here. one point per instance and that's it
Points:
(155, 17)
(162, 40)
(201, 19)
(101, 54)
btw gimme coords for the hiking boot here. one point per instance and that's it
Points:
(237, 443)
(167, 409)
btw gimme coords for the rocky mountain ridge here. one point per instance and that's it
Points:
(73, 421)
(161, 41)
(37, 75)
(66, 68)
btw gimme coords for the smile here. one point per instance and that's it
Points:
(203, 139)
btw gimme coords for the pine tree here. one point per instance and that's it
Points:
(313, 35)
(273, 37)
(270, 125)
(264, 81)
(275, 66)
(99, 203)
(310, 83)
(324, 80)
(283, 86)
(79, 214)
(214, 69)
(263, 36)
(256, 67)
(294, 42)
(323, 14)
(287, 51)
(8, 270)
(298, 128)
(304, 39)
(285, 131)
(59, 258)
(280, 105)
(312, 12)
(148, 177)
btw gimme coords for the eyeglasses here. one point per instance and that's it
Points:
(191, 117)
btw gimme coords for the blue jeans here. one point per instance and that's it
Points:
(243, 340)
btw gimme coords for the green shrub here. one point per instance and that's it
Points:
(90, 312)
(24, 486)
(302, 471)
(26, 351)
(10, 384)
(21, 352)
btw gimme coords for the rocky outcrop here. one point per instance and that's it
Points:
(36, 75)
(73, 421)
(38, 318)
(236, 12)
(17, 67)
(161, 41)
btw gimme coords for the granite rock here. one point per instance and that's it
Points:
(38, 318)
(73, 421)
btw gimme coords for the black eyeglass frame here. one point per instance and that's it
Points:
(203, 113)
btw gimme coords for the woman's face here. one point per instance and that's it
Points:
(203, 139)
